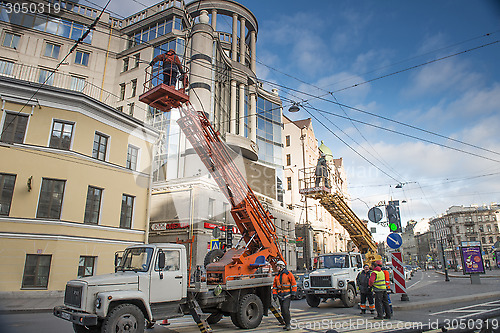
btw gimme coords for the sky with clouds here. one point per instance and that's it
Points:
(390, 75)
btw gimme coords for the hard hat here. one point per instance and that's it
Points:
(281, 262)
(379, 263)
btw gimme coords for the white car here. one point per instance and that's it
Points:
(407, 274)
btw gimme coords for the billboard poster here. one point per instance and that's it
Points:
(472, 260)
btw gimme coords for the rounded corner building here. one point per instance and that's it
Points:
(217, 44)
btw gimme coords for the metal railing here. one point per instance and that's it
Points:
(39, 75)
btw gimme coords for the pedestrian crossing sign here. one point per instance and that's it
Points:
(214, 244)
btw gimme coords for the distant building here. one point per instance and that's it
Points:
(464, 224)
(409, 248)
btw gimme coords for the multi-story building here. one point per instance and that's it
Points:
(317, 231)
(464, 224)
(91, 95)
(409, 247)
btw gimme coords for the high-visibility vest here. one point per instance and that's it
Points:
(379, 283)
(286, 285)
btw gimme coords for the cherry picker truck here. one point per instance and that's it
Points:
(152, 281)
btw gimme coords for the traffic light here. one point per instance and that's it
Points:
(229, 236)
(393, 217)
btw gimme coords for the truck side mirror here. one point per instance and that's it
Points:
(118, 259)
(161, 260)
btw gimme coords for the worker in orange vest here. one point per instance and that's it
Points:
(171, 67)
(388, 287)
(284, 287)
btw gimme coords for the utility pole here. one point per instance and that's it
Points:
(306, 233)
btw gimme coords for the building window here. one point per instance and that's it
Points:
(6, 67)
(289, 183)
(77, 83)
(287, 140)
(132, 154)
(52, 50)
(288, 159)
(131, 109)
(14, 127)
(82, 58)
(93, 205)
(481, 228)
(488, 227)
(11, 40)
(46, 77)
(100, 146)
(490, 239)
(457, 228)
(7, 182)
(127, 210)
(61, 135)
(125, 64)
(137, 59)
(483, 240)
(86, 266)
(122, 91)
(36, 271)
(51, 198)
(134, 88)
(211, 205)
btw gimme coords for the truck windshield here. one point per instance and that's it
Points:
(333, 261)
(136, 259)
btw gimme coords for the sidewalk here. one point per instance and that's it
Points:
(436, 292)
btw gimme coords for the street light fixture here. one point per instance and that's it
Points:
(294, 108)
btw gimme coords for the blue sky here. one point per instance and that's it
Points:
(327, 47)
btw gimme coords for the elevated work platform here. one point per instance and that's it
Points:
(319, 188)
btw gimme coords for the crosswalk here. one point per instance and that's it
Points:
(470, 310)
(302, 321)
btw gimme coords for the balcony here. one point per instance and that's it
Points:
(39, 75)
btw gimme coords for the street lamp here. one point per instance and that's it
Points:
(446, 277)
(306, 233)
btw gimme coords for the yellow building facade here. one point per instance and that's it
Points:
(74, 184)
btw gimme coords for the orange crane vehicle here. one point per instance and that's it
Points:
(253, 221)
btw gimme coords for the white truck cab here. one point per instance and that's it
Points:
(334, 277)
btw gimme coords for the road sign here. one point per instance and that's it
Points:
(394, 240)
(399, 273)
(214, 244)
(375, 214)
(216, 232)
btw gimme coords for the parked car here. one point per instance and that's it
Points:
(299, 277)
(407, 273)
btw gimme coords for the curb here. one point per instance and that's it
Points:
(468, 276)
(445, 301)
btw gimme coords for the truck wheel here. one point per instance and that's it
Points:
(250, 311)
(213, 256)
(84, 329)
(234, 319)
(313, 300)
(348, 298)
(124, 318)
(215, 317)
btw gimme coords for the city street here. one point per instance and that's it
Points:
(425, 285)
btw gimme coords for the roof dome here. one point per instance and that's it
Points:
(327, 151)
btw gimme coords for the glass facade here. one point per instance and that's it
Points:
(45, 23)
(269, 130)
(156, 30)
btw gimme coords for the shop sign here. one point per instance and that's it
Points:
(161, 226)
(208, 225)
